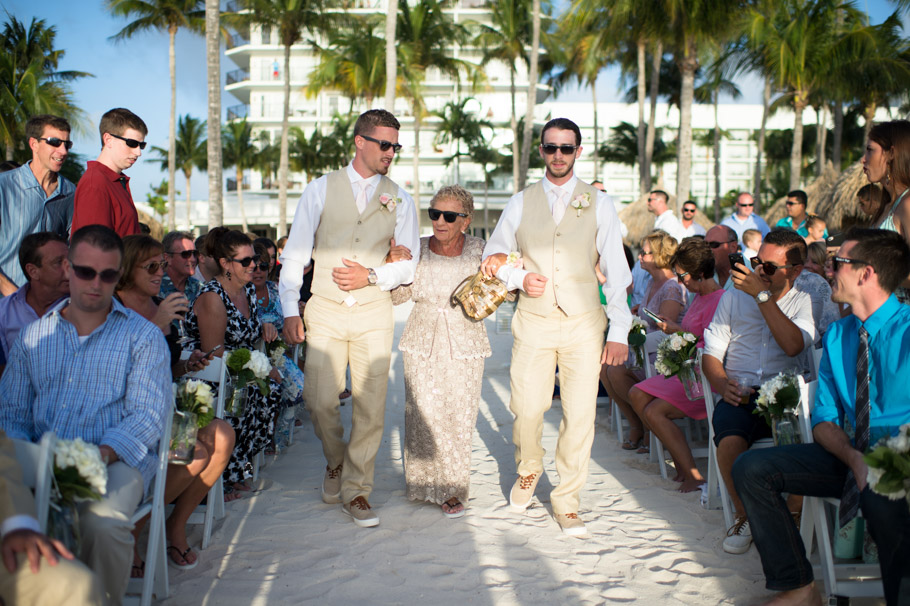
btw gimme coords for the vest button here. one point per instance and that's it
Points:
(558, 233)
(356, 239)
(557, 251)
(359, 222)
(355, 256)
(555, 305)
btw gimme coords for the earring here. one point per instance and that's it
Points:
(227, 274)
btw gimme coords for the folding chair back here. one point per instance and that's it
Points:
(37, 464)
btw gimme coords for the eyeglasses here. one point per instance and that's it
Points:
(261, 266)
(768, 267)
(55, 142)
(154, 266)
(384, 145)
(244, 262)
(448, 215)
(688, 210)
(681, 276)
(794, 203)
(644, 254)
(837, 261)
(108, 276)
(750, 205)
(130, 142)
(550, 149)
(186, 254)
(719, 244)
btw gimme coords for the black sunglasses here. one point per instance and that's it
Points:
(384, 145)
(130, 142)
(747, 205)
(837, 261)
(768, 267)
(108, 276)
(153, 266)
(262, 266)
(688, 210)
(794, 203)
(186, 254)
(550, 149)
(55, 142)
(681, 276)
(244, 262)
(719, 244)
(448, 215)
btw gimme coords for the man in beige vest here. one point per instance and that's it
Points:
(344, 223)
(563, 228)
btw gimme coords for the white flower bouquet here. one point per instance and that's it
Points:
(638, 334)
(778, 397)
(674, 351)
(79, 472)
(889, 466)
(277, 349)
(246, 367)
(195, 397)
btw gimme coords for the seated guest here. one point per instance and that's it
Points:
(723, 243)
(226, 313)
(665, 297)
(824, 310)
(867, 348)
(874, 201)
(144, 264)
(206, 267)
(658, 401)
(41, 258)
(93, 369)
(759, 329)
(182, 257)
(272, 252)
(816, 258)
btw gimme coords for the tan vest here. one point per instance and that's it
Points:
(344, 232)
(563, 253)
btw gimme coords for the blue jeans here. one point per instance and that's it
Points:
(762, 475)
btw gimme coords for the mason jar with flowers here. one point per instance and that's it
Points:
(246, 368)
(676, 356)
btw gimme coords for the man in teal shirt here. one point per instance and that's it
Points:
(797, 201)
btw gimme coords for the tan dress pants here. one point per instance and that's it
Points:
(68, 583)
(575, 343)
(338, 336)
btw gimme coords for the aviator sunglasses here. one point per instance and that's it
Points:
(108, 276)
(768, 267)
(153, 267)
(448, 215)
(55, 142)
(384, 145)
(550, 149)
(130, 142)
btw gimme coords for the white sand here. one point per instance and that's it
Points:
(648, 543)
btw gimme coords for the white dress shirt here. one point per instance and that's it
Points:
(693, 230)
(668, 222)
(608, 242)
(298, 250)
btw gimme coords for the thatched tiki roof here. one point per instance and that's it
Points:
(640, 222)
(156, 228)
(819, 190)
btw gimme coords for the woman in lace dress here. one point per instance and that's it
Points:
(443, 353)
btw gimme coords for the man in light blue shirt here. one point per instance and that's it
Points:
(93, 369)
(868, 267)
(744, 218)
(34, 197)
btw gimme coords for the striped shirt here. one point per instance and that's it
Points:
(110, 388)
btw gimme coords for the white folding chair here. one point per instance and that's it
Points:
(652, 340)
(37, 464)
(155, 579)
(205, 514)
(848, 579)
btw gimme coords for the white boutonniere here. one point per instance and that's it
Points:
(581, 202)
(388, 202)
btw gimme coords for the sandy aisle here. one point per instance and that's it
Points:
(648, 543)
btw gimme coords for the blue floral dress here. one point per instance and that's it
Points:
(270, 311)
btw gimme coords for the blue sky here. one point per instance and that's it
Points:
(134, 74)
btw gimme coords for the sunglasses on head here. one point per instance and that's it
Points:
(767, 266)
(154, 266)
(384, 145)
(550, 149)
(55, 142)
(186, 254)
(130, 142)
(836, 262)
(448, 215)
(719, 244)
(244, 262)
(108, 276)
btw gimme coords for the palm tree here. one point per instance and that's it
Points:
(621, 147)
(489, 160)
(291, 18)
(353, 62)
(238, 151)
(191, 153)
(169, 15)
(213, 80)
(533, 77)
(157, 199)
(391, 63)
(457, 125)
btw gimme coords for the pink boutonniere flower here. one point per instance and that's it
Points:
(581, 202)
(388, 202)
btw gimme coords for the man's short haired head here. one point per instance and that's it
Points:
(885, 251)
(690, 207)
(34, 128)
(30, 250)
(722, 240)
(98, 236)
(200, 245)
(752, 238)
(116, 121)
(800, 196)
(788, 239)
(598, 185)
(745, 203)
(93, 268)
(171, 237)
(369, 120)
(562, 124)
(695, 258)
(657, 201)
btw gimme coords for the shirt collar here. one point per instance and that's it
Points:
(881, 317)
(355, 177)
(29, 180)
(106, 171)
(116, 307)
(568, 186)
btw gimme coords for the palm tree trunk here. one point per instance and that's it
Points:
(687, 66)
(189, 198)
(757, 179)
(642, 161)
(239, 169)
(596, 131)
(652, 118)
(283, 160)
(822, 139)
(516, 153)
(9, 149)
(486, 204)
(716, 156)
(415, 161)
(869, 115)
(391, 58)
(532, 96)
(796, 152)
(172, 133)
(838, 135)
(213, 144)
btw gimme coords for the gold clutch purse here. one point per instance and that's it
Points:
(479, 296)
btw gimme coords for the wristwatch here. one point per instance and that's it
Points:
(371, 278)
(763, 297)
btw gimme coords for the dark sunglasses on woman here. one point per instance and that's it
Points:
(448, 215)
(244, 262)
(153, 267)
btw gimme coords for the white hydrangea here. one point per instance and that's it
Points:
(900, 442)
(277, 358)
(874, 476)
(86, 458)
(204, 394)
(259, 364)
(636, 321)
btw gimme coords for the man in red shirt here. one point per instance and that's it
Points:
(103, 194)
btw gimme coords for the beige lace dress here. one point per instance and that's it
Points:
(443, 354)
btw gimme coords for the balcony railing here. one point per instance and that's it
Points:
(234, 5)
(238, 75)
(236, 39)
(238, 112)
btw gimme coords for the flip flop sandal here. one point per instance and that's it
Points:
(182, 555)
(453, 514)
(138, 571)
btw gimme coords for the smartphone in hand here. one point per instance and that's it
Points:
(734, 259)
(652, 315)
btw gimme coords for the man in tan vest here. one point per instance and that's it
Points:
(563, 228)
(344, 223)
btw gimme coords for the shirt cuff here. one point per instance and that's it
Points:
(512, 277)
(129, 449)
(19, 522)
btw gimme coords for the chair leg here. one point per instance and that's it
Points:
(658, 447)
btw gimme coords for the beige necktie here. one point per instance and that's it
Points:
(559, 207)
(362, 199)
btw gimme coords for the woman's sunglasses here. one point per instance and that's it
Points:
(261, 266)
(108, 276)
(55, 142)
(448, 215)
(130, 142)
(244, 262)
(767, 266)
(154, 266)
